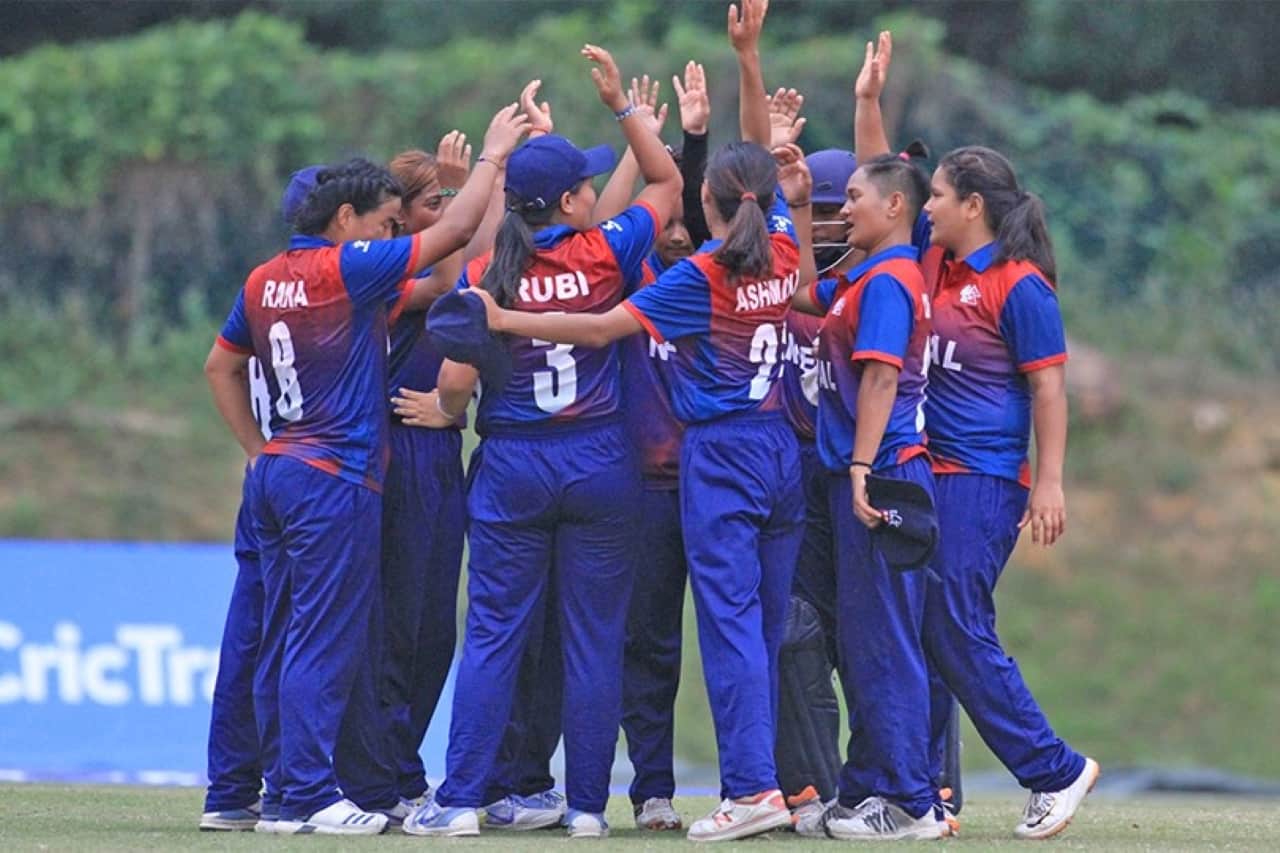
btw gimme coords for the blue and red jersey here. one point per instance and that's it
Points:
(316, 318)
(728, 333)
(882, 316)
(992, 324)
(571, 272)
(799, 381)
(654, 429)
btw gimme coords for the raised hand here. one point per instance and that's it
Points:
(643, 95)
(785, 123)
(744, 29)
(692, 98)
(607, 78)
(509, 124)
(453, 160)
(539, 115)
(793, 174)
(875, 68)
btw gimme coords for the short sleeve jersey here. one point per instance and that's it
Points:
(315, 317)
(570, 272)
(728, 333)
(882, 316)
(799, 380)
(992, 324)
(653, 427)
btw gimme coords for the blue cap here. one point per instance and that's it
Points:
(543, 169)
(301, 183)
(831, 169)
(459, 331)
(909, 536)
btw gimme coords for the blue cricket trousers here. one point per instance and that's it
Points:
(554, 500)
(532, 732)
(884, 675)
(235, 767)
(318, 536)
(978, 525)
(651, 662)
(742, 509)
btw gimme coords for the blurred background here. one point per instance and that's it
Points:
(143, 148)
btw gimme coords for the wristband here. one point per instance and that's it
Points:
(493, 161)
(445, 412)
(857, 464)
(448, 192)
(626, 112)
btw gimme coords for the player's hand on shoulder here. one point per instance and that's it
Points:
(493, 312)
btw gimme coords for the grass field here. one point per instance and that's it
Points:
(54, 817)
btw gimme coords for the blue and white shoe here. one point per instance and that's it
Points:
(232, 820)
(268, 819)
(518, 812)
(447, 821)
(586, 824)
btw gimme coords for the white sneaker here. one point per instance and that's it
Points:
(586, 824)
(342, 818)
(1048, 812)
(743, 817)
(657, 813)
(877, 819)
(397, 814)
(518, 812)
(434, 819)
(232, 820)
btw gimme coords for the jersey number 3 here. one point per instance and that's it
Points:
(556, 388)
(289, 405)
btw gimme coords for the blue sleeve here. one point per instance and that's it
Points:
(236, 330)
(373, 269)
(394, 296)
(824, 292)
(779, 218)
(631, 235)
(675, 306)
(885, 318)
(922, 234)
(1031, 325)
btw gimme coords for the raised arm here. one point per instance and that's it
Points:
(744, 35)
(695, 116)
(869, 139)
(453, 164)
(459, 223)
(661, 177)
(618, 192)
(797, 188)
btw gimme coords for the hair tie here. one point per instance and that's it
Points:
(748, 196)
(904, 155)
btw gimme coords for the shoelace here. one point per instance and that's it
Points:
(874, 813)
(1038, 806)
(722, 815)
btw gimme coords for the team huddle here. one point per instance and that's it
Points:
(806, 385)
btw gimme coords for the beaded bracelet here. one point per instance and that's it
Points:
(626, 112)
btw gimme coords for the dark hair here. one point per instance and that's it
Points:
(358, 182)
(415, 170)
(1016, 217)
(735, 170)
(513, 246)
(897, 173)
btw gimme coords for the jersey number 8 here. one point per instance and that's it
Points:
(289, 405)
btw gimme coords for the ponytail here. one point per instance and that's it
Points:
(512, 248)
(742, 177)
(1017, 218)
